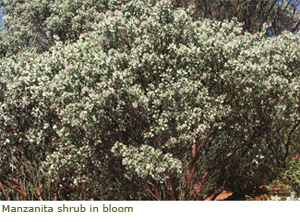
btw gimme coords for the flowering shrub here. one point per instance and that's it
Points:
(33, 25)
(148, 105)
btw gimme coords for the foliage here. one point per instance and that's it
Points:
(292, 197)
(281, 15)
(290, 177)
(31, 24)
(147, 104)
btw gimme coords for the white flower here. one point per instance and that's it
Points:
(118, 13)
(146, 100)
(82, 115)
(160, 169)
(135, 105)
(51, 86)
(109, 12)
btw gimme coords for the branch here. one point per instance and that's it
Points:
(289, 140)
(3, 190)
(39, 192)
(21, 191)
(212, 169)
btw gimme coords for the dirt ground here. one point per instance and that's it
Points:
(262, 193)
(222, 196)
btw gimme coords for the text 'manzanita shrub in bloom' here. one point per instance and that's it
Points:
(149, 104)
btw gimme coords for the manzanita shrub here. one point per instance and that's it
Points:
(150, 104)
(31, 24)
